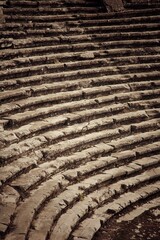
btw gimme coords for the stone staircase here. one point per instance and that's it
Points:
(80, 108)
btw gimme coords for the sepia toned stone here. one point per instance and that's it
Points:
(79, 119)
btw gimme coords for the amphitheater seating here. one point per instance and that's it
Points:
(80, 108)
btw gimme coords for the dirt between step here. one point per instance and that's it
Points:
(144, 227)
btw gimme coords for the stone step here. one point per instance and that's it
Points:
(91, 115)
(79, 128)
(9, 198)
(18, 149)
(130, 30)
(100, 78)
(85, 113)
(18, 167)
(152, 103)
(81, 142)
(43, 11)
(153, 113)
(125, 28)
(44, 170)
(14, 169)
(127, 43)
(135, 139)
(52, 68)
(35, 38)
(57, 98)
(15, 94)
(148, 161)
(138, 67)
(29, 52)
(78, 119)
(92, 201)
(41, 228)
(74, 95)
(40, 141)
(51, 211)
(52, 18)
(91, 225)
(141, 209)
(146, 62)
(73, 74)
(51, 110)
(141, 151)
(55, 58)
(32, 91)
(76, 47)
(8, 42)
(143, 85)
(114, 21)
(149, 149)
(145, 124)
(127, 52)
(141, 4)
(81, 16)
(134, 60)
(40, 174)
(104, 162)
(20, 92)
(80, 56)
(107, 176)
(61, 97)
(106, 21)
(54, 4)
(33, 203)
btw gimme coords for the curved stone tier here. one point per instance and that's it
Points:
(80, 117)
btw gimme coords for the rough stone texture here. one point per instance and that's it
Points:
(2, 19)
(113, 6)
(143, 226)
(8, 201)
(79, 119)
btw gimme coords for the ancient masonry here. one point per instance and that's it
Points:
(80, 117)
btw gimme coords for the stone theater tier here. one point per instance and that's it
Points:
(80, 117)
